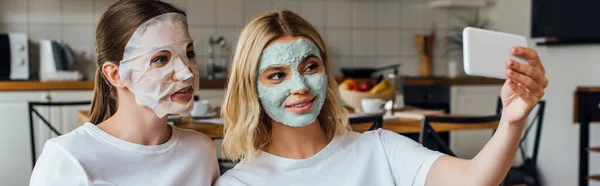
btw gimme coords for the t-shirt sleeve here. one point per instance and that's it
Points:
(56, 166)
(409, 161)
(228, 180)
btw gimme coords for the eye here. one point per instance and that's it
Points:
(276, 76)
(160, 59)
(191, 54)
(311, 68)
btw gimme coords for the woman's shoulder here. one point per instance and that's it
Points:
(62, 151)
(53, 156)
(230, 178)
(378, 137)
(191, 136)
(382, 134)
(75, 139)
(187, 133)
(246, 173)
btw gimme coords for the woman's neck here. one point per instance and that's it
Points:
(296, 142)
(137, 124)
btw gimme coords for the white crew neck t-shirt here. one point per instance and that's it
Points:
(380, 157)
(90, 156)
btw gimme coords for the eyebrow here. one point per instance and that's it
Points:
(275, 68)
(304, 59)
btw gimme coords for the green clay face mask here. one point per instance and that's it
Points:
(272, 98)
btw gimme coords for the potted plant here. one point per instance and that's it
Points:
(454, 40)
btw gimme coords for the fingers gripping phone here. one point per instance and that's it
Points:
(486, 52)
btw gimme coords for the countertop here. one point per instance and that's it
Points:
(79, 85)
(220, 84)
(464, 80)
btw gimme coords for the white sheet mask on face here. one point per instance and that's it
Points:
(272, 98)
(153, 86)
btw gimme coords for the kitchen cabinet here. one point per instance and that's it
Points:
(472, 100)
(436, 97)
(459, 100)
(65, 118)
(15, 159)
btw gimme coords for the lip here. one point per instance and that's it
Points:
(301, 110)
(184, 96)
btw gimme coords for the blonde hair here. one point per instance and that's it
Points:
(247, 127)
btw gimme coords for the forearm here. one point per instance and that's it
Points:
(492, 163)
(521, 91)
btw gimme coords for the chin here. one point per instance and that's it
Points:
(181, 102)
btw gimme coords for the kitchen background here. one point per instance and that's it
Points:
(358, 33)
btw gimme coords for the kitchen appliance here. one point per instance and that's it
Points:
(14, 56)
(56, 62)
(214, 70)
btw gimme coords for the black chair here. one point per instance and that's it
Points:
(524, 174)
(527, 173)
(377, 120)
(434, 97)
(225, 165)
(444, 136)
(32, 111)
(427, 130)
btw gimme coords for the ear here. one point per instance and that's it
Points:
(110, 71)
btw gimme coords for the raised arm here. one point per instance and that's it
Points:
(520, 93)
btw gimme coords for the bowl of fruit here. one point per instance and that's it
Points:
(353, 91)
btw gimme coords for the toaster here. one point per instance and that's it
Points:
(14, 56)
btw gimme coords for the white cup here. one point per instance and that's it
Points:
(201, 108)
(372, 105)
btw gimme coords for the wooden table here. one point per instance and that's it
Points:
(586, 109)
(399, 125)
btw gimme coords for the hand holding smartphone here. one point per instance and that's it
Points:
(485, 52)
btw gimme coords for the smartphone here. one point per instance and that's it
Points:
(485, 52)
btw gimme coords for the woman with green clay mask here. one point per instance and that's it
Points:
(285, 122)
(291, 83)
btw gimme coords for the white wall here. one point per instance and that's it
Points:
(566, 68)
(359, 33)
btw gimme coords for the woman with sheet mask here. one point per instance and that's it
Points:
(146, 70)
(284, 120)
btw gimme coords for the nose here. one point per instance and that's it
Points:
(181, 75)
(299, 91)
(181, 70)
(298, 86)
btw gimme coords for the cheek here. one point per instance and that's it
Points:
(274, 95)
(149, 87)
(195, 71)
(317, 83)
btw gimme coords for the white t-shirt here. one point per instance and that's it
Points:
(90, 156)
(380, 157)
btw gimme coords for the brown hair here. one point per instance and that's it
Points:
(114, 29)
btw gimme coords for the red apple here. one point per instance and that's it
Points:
(366, 86)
